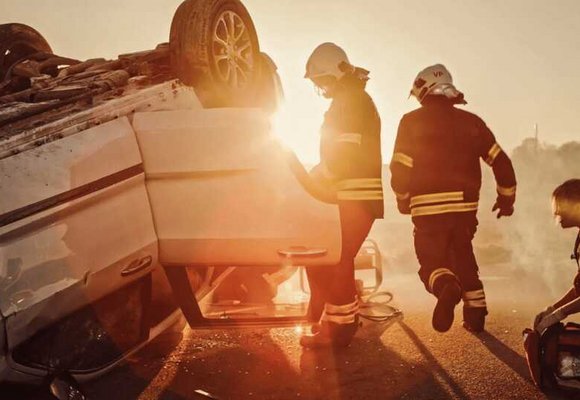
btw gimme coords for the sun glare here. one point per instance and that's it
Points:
(298, 127)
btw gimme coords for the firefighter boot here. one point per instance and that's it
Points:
(315, 327)
(448, 294)
(337, 327)
(330, 334)
(474, 318)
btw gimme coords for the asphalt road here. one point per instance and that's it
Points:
(404, 359)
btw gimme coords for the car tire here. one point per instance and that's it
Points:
(214, 48)
(18, 41)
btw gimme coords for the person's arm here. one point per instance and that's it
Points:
(401, 167)
(571, 307)
(567, 298)
(503, 171)
(567, 305)
(342, 136)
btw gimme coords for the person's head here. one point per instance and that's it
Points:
(566, 203)
(435, 80)
(327, 64)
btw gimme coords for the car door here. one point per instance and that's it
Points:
(224, 192)
(77, 244)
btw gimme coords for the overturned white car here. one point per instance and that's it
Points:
(132, 187)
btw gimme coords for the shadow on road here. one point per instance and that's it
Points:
(132, 379)
(370, 370)
(505, 354)
(434, 365)
(232, 364)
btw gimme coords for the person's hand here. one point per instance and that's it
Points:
(550, 319)
(316, 172)
(546, 311)
(322, 176)
(505, 210)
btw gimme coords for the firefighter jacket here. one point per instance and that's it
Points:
(350, 146)
(435, 166)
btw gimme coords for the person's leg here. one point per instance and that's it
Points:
(356, 222)
(339, 318)
(467, 270)
(432, 238)
(318, 279)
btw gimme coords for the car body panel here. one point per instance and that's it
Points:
(223, 193)
(82, 218)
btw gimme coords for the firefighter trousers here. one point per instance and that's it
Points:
(444, 250)
(337, 285)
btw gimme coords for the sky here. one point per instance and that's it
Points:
(517, 61)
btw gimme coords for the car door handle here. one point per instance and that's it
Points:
(136, 266)
(301, 251)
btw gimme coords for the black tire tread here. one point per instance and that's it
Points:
(190, 41)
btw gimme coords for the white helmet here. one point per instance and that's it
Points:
(437, 80)
(325, 60)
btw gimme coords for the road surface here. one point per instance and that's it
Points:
(405, 359)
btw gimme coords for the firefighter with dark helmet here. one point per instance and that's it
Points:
(436, 177)
(350, 158)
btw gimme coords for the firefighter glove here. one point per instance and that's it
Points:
(505, 205)
(548, 310)
(551, 319)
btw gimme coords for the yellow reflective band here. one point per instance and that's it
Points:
(439, 272)
(403, 159)
(360, 195)
(338, 319)
(506, 191)
(474, 295)
(404, 196)
(493, 153)
(475, 303)
(443, 209)
(436, 198)
(342, 309)
(355, 138)
(363, 183)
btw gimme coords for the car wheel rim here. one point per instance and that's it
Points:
(232, 50)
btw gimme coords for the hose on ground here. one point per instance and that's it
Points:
(375, 307)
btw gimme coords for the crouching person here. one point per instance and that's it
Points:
(566, 208)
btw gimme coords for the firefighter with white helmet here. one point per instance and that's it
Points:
(436, 177)
(435, 80)
(326, 60)
(350, 158)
